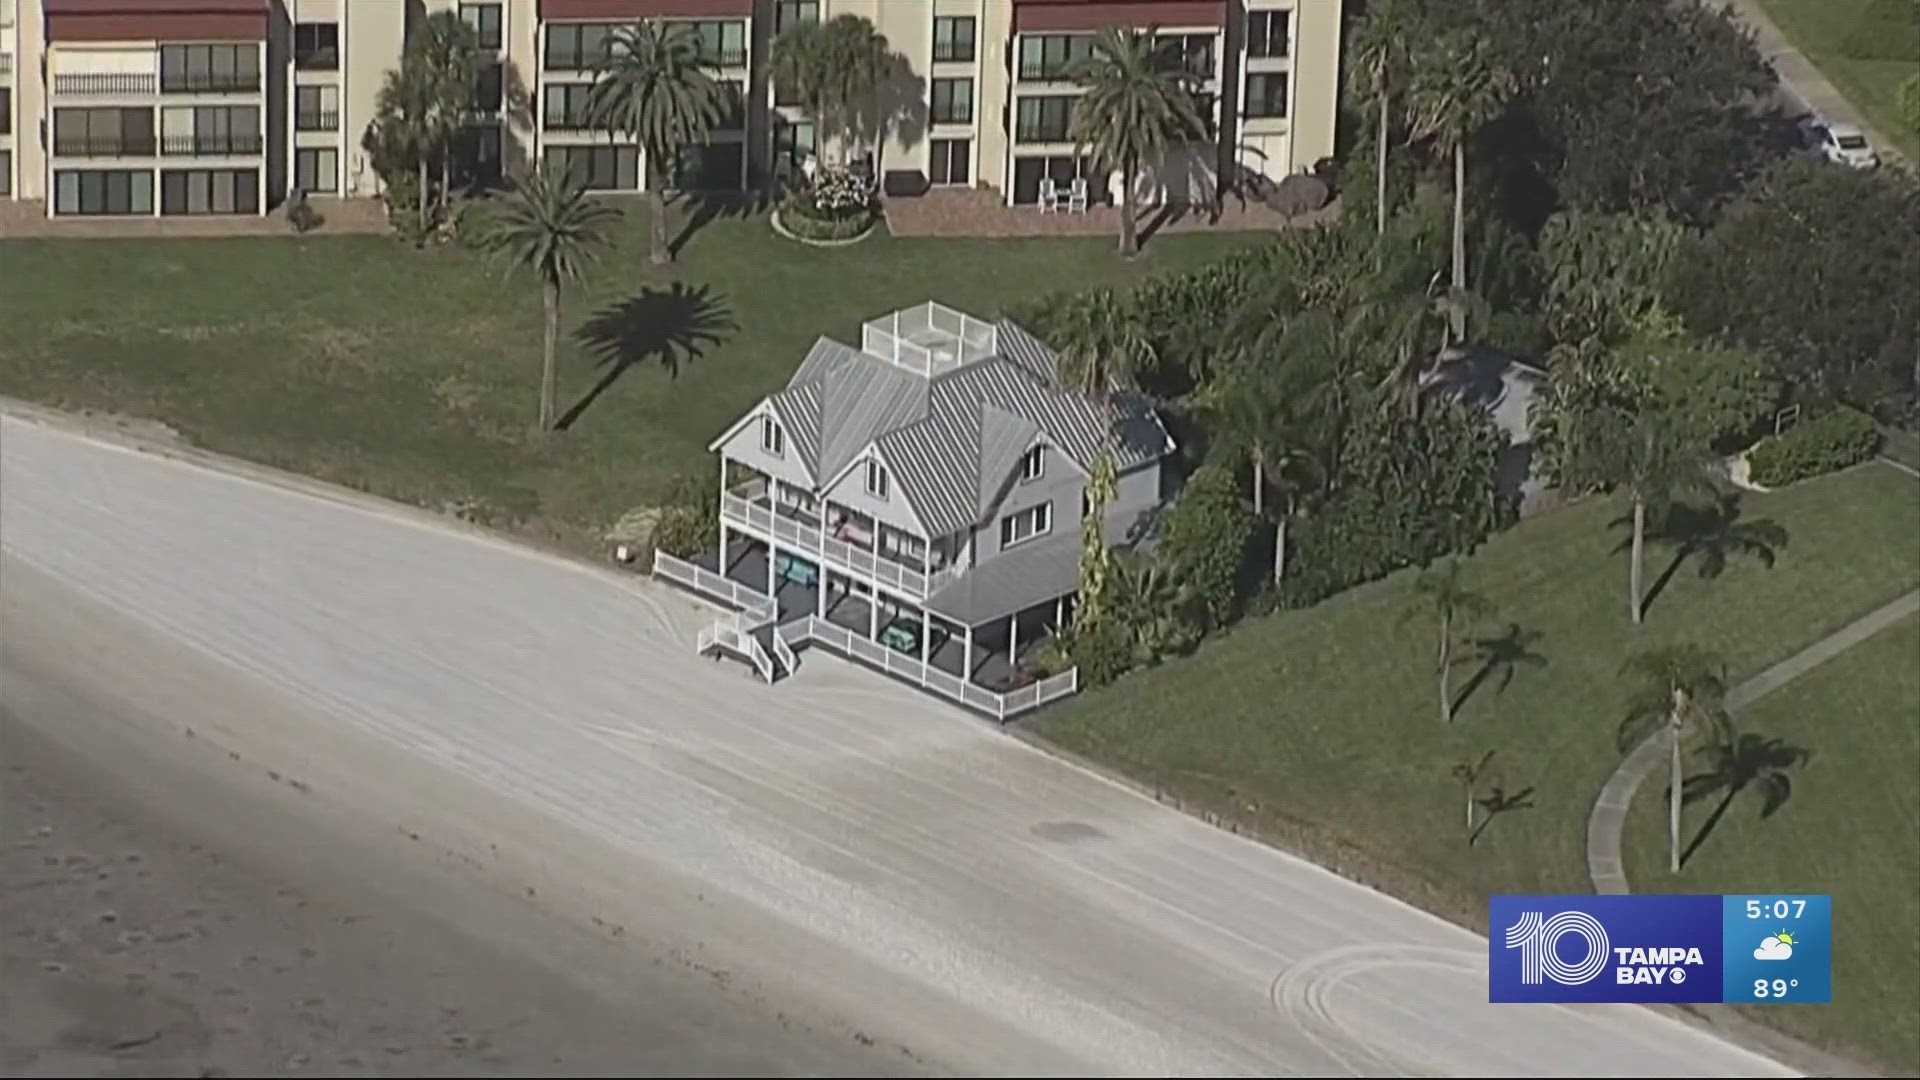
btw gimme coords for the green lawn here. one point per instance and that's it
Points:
(1820, 29)
(1851, 829)
(1902, 446)
(1319, 729)
(414, 374)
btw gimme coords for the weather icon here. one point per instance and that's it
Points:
(1777, 947)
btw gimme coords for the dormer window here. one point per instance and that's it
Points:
(772, 439)
(876, 479)
(1033, 464)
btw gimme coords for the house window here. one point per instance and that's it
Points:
(485, 20)
(316, 169)
(578, 46)
(478, 155)
(876, 480)
(1266, 94)
(772, 439)
(6, 111)
(6, 172)
(1033, 464)
(952, 101)
(788, 13)
(564, 106)
(1022, 526)
(1047, 57)
(103, 132)
(953, 39)
(489, 88)
(316, 108)
(723, 43)
(204, 68)
(952, 161)
(1185, 54)
(1267, 33)
(1044, 119)
(106, 192)
(316, 46)
(598, 168)
(210, 191)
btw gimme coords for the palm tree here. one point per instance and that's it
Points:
(401, 135)
(1455, 605)
(1268, 416)
(657, 88)
(1456, 91)
(1132, 110)
(834, 67)
(447, 52)
(1379, 65)
(1101, 346)
(1654, 465)
(1150, 600)
(1738, 761)
(547, 223)
(1471, 773)
(1681, 690)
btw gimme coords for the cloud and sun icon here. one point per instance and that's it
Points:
(1776, 947)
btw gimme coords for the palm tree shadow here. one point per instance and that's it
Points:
(1497, 802)
(1711, 535)
(1747, 760)
(672, 326)
(703, 209)
(1504, 653)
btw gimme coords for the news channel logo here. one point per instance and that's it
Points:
(1659, 948)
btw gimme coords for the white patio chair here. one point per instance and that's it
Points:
(1049, 195)
(1077, 196)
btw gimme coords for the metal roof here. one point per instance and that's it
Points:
(951, 438)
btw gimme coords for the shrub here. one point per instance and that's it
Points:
(1886, 30)
(1204, 537)
(301, 216)
(1409, 494)
(1103, 650)
(1827, 442)
(835, 205)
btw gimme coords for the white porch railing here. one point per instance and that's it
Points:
(737, 632)
(844, 557)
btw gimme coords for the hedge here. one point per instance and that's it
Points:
(1827, 442)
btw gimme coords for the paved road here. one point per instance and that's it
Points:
(939, 885)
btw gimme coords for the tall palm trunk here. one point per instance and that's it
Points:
(1446, 668)
(1457, 313)
(446, 174)
(1639, 549)
(1129, 244)
(1673, 781)
(660, 253)
(1259, 483)
(1380, 182)
(1280, 543)
(550, 337)
(423, 195)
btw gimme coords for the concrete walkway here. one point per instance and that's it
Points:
(1801, 79)
(836, 839)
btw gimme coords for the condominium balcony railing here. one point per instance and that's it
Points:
(732, 57)
(102, 146)
(115, 84)
(210, 145)
(181, 82)
(321, 120)
(841, 555)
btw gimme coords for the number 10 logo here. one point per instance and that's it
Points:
(1538, 939)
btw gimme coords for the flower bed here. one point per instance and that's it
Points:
(834, 207)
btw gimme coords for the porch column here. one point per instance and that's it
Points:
(873, 613)
(723, 549)
(820, 556)
(723, 521)
(1059, 613)
(926, 635)
(1013, 640)
(966, 653)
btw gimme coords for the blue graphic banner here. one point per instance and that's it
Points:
(1660, 948)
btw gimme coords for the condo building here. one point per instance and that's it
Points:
(159, 107)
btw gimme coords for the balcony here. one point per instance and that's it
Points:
(844, 549)
(115, 85)
(181, 82)
(725, 57)
(320, 120)
(210, 145)
(102, 146)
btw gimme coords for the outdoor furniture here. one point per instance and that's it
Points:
(796, 571)
(1049, 195)
(1077, 196)
(901, 639)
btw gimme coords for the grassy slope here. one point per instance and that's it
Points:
(1849, 829)
(1319, 730)
(1819, 27)
(415, 375)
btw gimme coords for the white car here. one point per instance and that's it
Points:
(1844, 144)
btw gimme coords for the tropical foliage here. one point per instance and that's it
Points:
(1679, 692)
(1455, 608)
(422, 108)
(658, 88)
(1820, 444)
(546, 224)
(836, 70)
(1132, 111)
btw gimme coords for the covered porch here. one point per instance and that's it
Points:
(961, 633)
